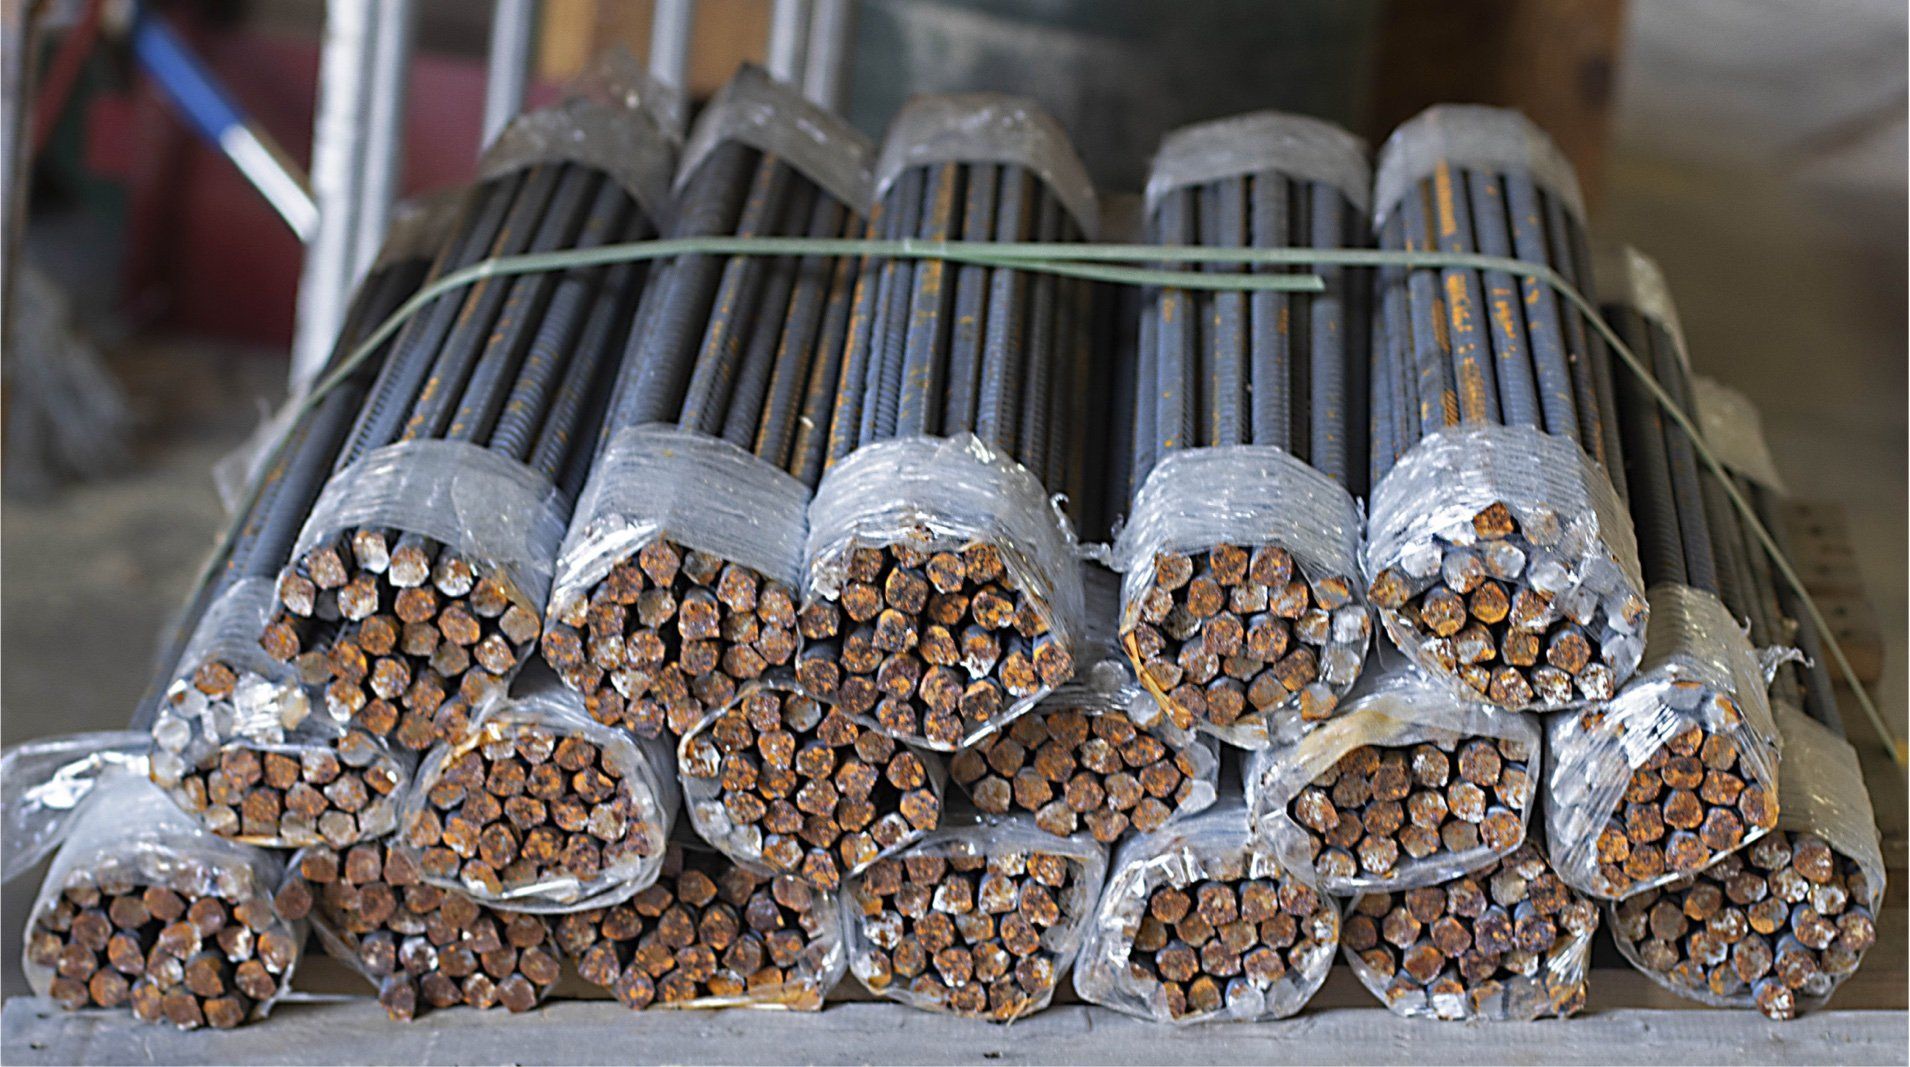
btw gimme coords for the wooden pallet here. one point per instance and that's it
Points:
(1827, 561)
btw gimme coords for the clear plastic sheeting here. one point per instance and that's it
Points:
(1214, 847)
(1473, 137)
(942, 494)
(1699, 671)
(773, 118)
(616, 125)
(657, 481)
(1400, 709)
(1734, 431)
(489, 509)
(1254, 495)
(1631, 278)
(45, 786)
(1574, 545)
(1297, 146)
(537, 721)
(1823, 796)
(989, 128)
(1013, 915)
(124, 838)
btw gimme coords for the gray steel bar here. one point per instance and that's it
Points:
(831, 27)
(513, 34)
(788, 40)
(384, 129)
(338, 157)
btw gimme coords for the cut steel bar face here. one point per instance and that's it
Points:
(780, 781)
(1085, 768)
(977, 930)
(172, 952)
(423, 946)
(711, 933)
(1384, 805)
(1779, 923)
(1508, 941)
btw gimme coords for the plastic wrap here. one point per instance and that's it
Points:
(1697, 710)
(1302, 148)
(493, 511)
(44, 786)
(756, 772)
(1404, 719)
(134, 909)
(775, 119)
(1284, 963)
(1507, 942)
(1739, 950)
(1472, 136)
(1254, 495)
(421, 946)
(1007, 901)
(1571, 544)
(1734, 431)
(241, 745)
(1097, 754)
(989, 128)
(754, 940)
(617, 127)
(593, 805)
(944, 494)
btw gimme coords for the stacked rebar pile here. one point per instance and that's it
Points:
(1242, 611)
(711, 933)
(422, 945)
(1507, 941)
(215, 729)
(1625, 815)
(1499, 551)
(417, 583)
(941, 590)
(676, 582)
(979, 921)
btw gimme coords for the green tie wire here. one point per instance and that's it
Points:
(1108, 263)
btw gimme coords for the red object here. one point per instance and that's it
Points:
(204, 248)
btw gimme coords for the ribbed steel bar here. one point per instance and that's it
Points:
(1655, 514)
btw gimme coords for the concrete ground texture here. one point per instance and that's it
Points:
(1760, 160)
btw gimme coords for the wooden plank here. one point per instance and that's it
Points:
(726, 34)
(1827, 561)
(594, 1032)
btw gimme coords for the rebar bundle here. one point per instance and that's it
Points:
(422, 945)
(660, 628)
(1507, 941)
(1522, 602)
(218, 710)
(1709, 786)
(417, 583)
(938, 635)
(1246, 634)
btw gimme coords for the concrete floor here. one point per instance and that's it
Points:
(1783, 241)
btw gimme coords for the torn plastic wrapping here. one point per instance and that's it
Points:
(1399, 708)
(45, 786)
(1575, 542)
(1734, 430)
(1004, 844)
(1551, 984)
(699, 770)
(1699, 670)
(1218, 846)
(989, 128)
(1297, 146)
(1822, 794)
(491, 510)
(503, 726)
(1254, 495)
(775, 119)
(943, 494)
(1107, 687)
(121, 837)
(617, 78)
(619, 125)
(1473, 136)
(1630, 278)
(227, 694)
(657, 481)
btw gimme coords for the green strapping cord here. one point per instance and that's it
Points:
(1102, 263)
